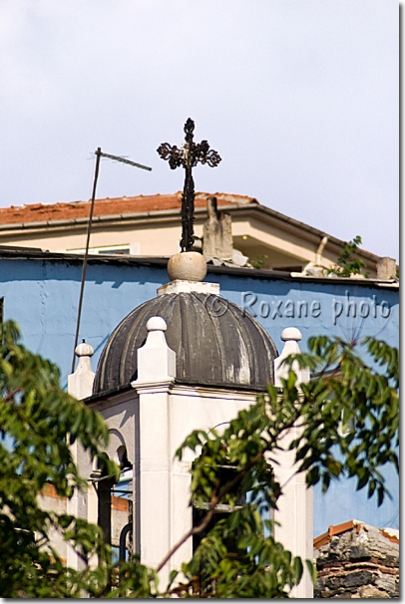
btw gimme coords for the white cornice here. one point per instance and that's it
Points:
(213, 392)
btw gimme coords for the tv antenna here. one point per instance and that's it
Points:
(99, 154)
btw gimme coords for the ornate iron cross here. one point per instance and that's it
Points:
(188, 156)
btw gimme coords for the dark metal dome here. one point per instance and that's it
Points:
(216, 343)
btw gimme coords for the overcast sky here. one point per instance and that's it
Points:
(299, 97)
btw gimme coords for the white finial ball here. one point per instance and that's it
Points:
(291, 333)
(156, 324)
(187, 266)
(84, 350)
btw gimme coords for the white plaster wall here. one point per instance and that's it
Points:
(192, 409)
(295, 513)
(58, 505)
(119, 413)
(154, 420)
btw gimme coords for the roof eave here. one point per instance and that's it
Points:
(156, 216)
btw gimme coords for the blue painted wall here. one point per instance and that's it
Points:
(42, 297)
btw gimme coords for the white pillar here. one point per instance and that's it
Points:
(77, 506)
(291, 336)
(156, 361)
(295, 513)
(156, 372)
(80, 385)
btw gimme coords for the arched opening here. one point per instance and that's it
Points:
(104, 485)
(115, 498)
(123, 460)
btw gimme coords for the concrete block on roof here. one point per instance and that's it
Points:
(217, 242)
(386, 268)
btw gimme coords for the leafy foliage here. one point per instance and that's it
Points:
(38, 422)
(259, 262)
(239, 556)
(347, 264)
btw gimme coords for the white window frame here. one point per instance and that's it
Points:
(108, 249)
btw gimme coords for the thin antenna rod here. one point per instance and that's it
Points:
(124, 160)
(86, 253)
(99, 154)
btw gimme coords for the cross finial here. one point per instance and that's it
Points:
(188, 156)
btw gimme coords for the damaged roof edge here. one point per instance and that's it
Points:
(344, 527)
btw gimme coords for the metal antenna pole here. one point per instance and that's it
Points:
(98, 154)
(86, 253)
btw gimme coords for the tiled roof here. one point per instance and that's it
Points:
(39, 212)
(54, 215)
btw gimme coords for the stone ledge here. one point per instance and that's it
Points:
(182, 286)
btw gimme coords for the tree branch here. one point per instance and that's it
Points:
(194, 531)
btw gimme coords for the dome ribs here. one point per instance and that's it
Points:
(215, 342)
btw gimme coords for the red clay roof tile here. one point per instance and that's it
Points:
(333, 530)
(392, 538)
(39, 212)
